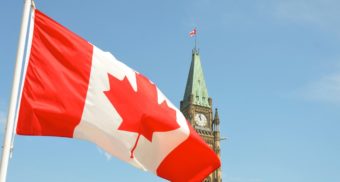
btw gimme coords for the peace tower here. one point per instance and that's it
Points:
(197, 108)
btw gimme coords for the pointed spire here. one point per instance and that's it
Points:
(196, 91)
(216, 118)
(216, 122)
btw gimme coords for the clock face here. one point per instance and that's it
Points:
(200, 119)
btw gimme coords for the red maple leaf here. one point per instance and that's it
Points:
(140, 110)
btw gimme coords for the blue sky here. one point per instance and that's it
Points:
(272, 68)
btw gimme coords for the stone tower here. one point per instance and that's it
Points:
(197, 108)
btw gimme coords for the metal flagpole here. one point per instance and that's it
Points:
(15, 91)
(195, 39)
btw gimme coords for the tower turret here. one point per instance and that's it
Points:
(216, 121)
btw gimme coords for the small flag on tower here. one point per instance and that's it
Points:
(192, 33)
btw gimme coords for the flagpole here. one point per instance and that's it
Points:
(195, 39)
(195, 44)
(15, 91)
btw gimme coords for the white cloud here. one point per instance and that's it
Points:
(326, 89)
(3, 114)
(243, 179)
(2, 121)
(316, 14)
(320, 13)
(102, 152)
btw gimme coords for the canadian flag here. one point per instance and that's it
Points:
(192, 33)
(73, 89)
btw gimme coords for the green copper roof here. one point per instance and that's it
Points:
(196, 83)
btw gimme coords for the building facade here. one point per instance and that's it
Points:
(197, 108)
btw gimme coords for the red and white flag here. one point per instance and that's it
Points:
(192, 33)
(73, 89)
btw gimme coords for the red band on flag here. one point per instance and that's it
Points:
(196, 160)
(56, 81)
